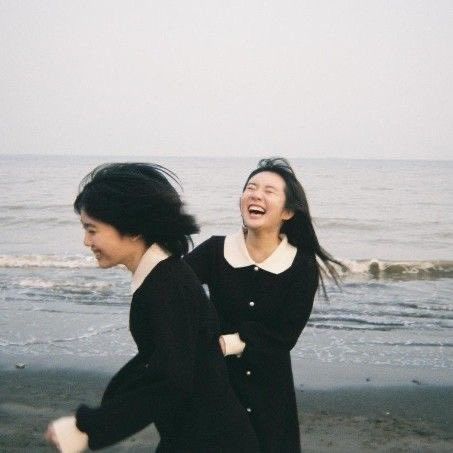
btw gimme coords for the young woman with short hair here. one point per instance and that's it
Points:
(133, 216)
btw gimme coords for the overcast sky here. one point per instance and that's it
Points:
(360, 79)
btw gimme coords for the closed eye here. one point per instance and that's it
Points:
(89, 229)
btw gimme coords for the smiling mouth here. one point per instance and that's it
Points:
(256, 210)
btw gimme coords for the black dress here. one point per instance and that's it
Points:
(269, 311)
(178, 379)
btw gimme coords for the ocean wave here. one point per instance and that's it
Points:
(381, 269)
(405, 306)
(52, 261)
(318, 320)
(34, 207)
(348, 327)
(224, 221)
(28, 221)
(68, 312)
(67, 286)
(347, 224)
(36, 341)
(413, 343)
(369, 268)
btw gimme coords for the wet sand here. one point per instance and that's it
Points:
(415, 416)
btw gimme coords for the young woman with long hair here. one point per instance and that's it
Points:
(262, 281)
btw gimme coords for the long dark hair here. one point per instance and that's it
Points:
(299, 228)
(138, 199)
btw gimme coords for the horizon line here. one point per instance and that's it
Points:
(421, 159)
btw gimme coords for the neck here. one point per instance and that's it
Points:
(133, 259)
(261, 244)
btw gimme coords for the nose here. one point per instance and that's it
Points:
(256, 195)
(86, 239)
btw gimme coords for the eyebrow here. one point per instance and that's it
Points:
(88, 225)
(267, 186)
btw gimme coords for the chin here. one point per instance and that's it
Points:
(253, 226)
(104, 265)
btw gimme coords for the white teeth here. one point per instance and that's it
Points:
(256, 209)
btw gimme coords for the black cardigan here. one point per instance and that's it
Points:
(178, 379)
(269, 312)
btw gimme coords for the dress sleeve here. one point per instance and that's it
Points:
(281, 334)
(162, 385)
(201, 260)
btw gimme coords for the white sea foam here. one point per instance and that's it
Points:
(366, 267)
(49, 261)
(36, 282)
(384, 268)
(37, 340)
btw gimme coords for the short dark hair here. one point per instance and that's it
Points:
(299, 228)
(138, 199)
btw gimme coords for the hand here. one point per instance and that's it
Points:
(65, 436)
(51, 436)
(222, 345)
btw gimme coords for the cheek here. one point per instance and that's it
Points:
(241, 202)
(100, 244)
(281, 202)
(279, 206)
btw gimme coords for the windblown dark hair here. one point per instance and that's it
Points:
(299, 228)
(138, 199)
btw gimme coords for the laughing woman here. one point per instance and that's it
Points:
(133, 216)
(262, 281)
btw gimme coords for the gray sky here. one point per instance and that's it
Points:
(360, 79)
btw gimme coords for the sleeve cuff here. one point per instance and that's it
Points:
(70, 439)
(233, 344)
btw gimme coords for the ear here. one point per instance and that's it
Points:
(287, 214)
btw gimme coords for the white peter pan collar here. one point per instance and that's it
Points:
(152, 257)
(237, 255)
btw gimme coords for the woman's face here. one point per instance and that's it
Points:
(109, 247)
(263, 202)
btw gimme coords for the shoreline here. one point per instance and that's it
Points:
(309, 374)
(378, 415)
(318, 375)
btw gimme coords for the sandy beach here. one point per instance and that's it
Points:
(358, 414)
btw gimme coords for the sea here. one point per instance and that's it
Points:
(389, 221)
